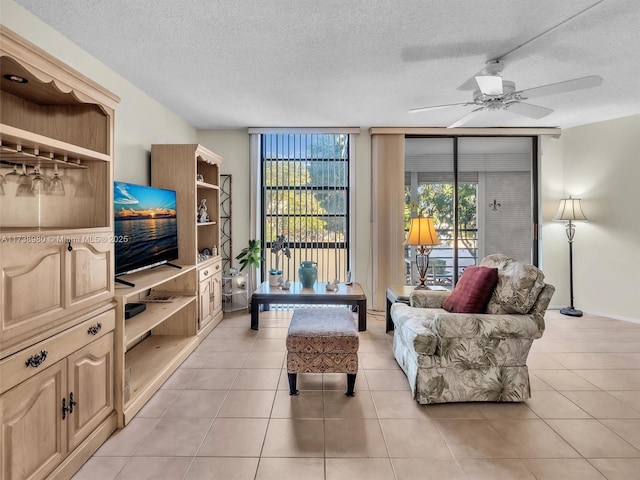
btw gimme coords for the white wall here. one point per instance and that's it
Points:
(140, 120)
(602, 166)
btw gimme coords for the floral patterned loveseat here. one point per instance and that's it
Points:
(459, 357)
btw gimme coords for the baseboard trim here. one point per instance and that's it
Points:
(600, 314)
(612, 315)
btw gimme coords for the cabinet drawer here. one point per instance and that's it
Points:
(208, 271)
(30, 361)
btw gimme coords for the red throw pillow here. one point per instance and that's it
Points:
(473, 290)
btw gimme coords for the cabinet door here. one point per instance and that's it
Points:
(34, 436)
(89, 263)
(91, 387)
(31, 282)
(205, 303)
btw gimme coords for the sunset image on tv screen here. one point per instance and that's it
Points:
(146, 227)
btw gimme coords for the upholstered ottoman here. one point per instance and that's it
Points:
(322, 340)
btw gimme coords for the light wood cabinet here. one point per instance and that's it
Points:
(57, 313)
(54, 398)
(193, 171)
(151, 345)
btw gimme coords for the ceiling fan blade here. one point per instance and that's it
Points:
(437, 107)
(466, 118)
(528, 110)
(489, 84)
(561, 87)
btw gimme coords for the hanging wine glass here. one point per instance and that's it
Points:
(38, 183)
(24, 184)
(12, 176)
(56, 187)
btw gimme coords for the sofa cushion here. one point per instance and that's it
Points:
(519, 285)
(472, 291)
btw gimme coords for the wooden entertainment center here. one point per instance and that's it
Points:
(57, 321)
(72, 368)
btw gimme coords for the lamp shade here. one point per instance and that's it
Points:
(422, 231)
(570, 209)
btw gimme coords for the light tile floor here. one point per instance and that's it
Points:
(226, 414)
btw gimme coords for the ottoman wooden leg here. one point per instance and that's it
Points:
(351, 381)
(293, 378)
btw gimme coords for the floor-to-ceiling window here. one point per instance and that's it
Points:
(305, 202)
(480, 193)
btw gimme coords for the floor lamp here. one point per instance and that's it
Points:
(570, 209)
(422, 234)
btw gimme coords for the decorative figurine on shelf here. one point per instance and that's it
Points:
(285, 285)
(203, 216)
(332, 286)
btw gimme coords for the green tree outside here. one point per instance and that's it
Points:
(436, 200)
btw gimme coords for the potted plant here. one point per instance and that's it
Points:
(280, 247)
(250, 256)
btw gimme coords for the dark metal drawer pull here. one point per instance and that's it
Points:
(37, 359)
(94, 329)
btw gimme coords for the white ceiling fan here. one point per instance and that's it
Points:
(495, 93)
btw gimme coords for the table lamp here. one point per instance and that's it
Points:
(422, 234)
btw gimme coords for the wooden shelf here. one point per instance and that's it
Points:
(151, 363)
(207, 185)
(148, 279)
(33, 148)
(154, 343)
(154, 315)
(57, 231)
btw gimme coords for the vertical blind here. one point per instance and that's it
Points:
(305, 201)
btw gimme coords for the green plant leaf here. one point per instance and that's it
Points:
(250, 255)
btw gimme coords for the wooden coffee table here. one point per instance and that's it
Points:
(266, 295)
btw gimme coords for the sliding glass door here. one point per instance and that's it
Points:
(480, 193)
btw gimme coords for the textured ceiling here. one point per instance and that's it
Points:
(227, 64)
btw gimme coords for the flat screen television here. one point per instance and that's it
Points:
(146, 227)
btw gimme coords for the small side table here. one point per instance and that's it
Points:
(400, 293)
(235, 295)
